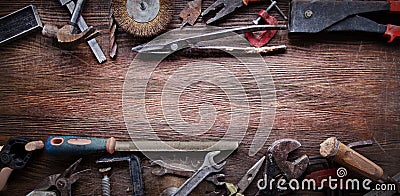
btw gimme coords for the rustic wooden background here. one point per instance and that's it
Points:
(343, 85)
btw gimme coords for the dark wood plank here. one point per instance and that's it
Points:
(335, 85)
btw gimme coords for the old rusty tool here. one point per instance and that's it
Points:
(278, 166)
(68, 34)
(313, 17)
(164, 168)
(264, 37)
(246, 180)
(65, 36)
(135, 169)
(94, 46)
(208, 167)
(280, 150)
(19, 23)
(76, 145)
(60, 182)
(228, 6)
(191, 12)
(334, 149)
(15, 155)
(321, 176)
(192, 41)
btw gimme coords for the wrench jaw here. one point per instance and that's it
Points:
(280, 150)
(219, 167)
(209, 159)
(296, 168)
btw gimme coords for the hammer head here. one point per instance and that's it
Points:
(280, 150)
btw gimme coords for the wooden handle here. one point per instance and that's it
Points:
(4, 174)
(34, 145)
(351, 159)
(50, 31)
(246, 2)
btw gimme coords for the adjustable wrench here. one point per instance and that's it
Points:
(208, 167)
(279, 167)
(280, 150)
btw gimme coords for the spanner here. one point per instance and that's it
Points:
(208, 167)
(161, 168)
(280, 150)
(279, 167)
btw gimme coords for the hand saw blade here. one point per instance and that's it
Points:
(191, 12)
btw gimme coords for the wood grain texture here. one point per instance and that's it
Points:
(343, 85)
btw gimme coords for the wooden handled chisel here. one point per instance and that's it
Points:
(76, 145)
(352, 160)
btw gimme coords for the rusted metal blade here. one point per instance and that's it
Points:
(191, 12)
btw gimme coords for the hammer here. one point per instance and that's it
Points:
(68, 34)
(135, 170)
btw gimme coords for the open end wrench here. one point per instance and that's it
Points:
(161, 168)
(208, 167)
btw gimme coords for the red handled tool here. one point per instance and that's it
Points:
(263, 38)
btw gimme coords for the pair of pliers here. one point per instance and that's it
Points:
(58, 184)
(246, 180)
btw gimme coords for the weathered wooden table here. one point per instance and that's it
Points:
(343, 85)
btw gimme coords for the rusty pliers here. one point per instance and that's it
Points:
(61, 183)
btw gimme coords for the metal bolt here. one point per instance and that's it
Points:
(308, 14)
(61, 183)
(5, 158)
(143, 5)
(105, 182)
(174, 47)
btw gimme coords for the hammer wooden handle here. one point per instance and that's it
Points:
(351, 159)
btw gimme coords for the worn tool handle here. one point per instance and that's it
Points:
(75, 145)
(351, 159)
(4, 174)
(394, 6)
(392, 31)
(50, 31)
(246, 2)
